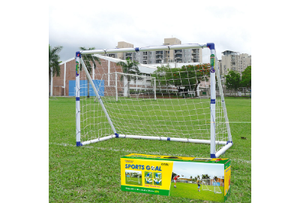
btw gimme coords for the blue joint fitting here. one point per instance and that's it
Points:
(211, 46)
(137, 49)
(78, 54)
(117, 135)
(168, 139)
(212, 156)
(229, 142)
(78, 144)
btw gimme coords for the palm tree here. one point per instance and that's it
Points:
(89, 60)
(54, 69)
(215, 178)
(130, 67)
(205, 176)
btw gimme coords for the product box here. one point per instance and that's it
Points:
(188, 177)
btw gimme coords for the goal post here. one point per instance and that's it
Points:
(178, 113)
(205, 183)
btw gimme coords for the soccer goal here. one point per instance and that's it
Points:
(183, 104)
(205, 183)
(217, 189)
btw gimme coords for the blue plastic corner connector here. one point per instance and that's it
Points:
(117, 135)
(213, 156)
(211, 46)
(78, 144)
(137, 49)
(168, 139)
(229, 142)
(78, 54)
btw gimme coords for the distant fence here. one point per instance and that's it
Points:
(241, 92)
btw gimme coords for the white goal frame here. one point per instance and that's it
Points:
(204, 184)
(213, 70)
(217, 189)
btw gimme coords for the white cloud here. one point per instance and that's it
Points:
(103, 24)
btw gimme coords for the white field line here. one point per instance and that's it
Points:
(101, 148)
(132, 151)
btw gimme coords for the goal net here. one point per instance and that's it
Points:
(205, 184)
(184, 104)
(217, 189)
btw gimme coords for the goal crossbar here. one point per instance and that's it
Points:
(213, 69)
(149, 48)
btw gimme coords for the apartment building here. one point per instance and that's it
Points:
(160, 57)
(234, 61)
(123, 55)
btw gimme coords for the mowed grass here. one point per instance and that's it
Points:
(190, 190)
(92, 173)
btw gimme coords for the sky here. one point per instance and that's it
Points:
(194, 169)
(102, 24)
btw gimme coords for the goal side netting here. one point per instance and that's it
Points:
(184, 104)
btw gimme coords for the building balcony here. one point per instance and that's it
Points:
(112, 55)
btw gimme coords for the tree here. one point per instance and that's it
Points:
(90, 62)
(246, 77)
(130, 67)
(233, 80)
(205, 176)
(54, 68)
(192, 75)
(163, 75)
(189, 76)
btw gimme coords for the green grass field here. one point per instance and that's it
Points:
(92, 173)
(189, 190)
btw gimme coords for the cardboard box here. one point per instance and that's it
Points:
(154, 174)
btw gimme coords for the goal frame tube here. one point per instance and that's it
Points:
(213, 71)
(211, 46)
(78, 141)
(212, 103)
(174, 139)
(154, 48)
(77, 95)
(223, 100)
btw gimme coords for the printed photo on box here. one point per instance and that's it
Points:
(194, 181)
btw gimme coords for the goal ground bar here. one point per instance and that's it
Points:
(153, 138)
